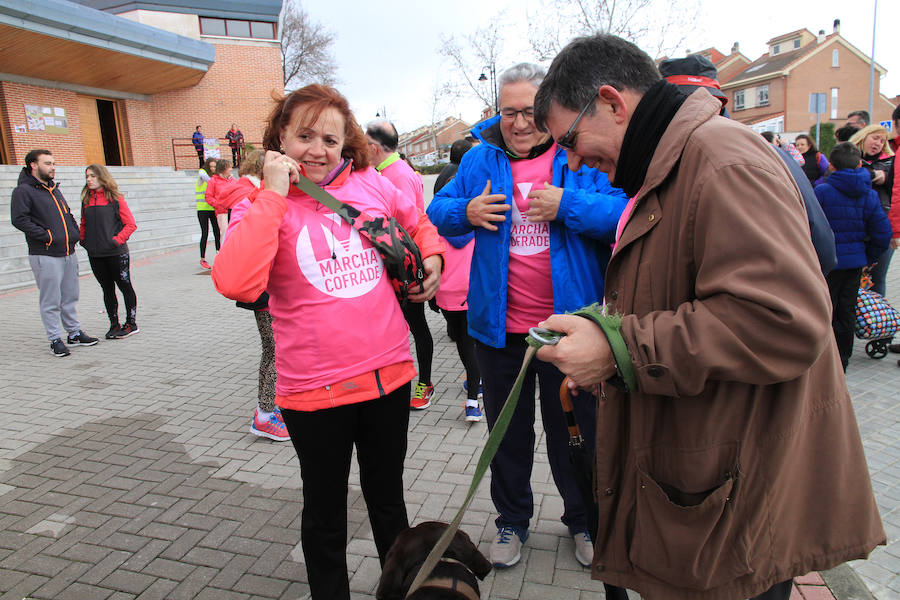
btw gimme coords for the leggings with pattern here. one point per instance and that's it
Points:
(267, 361)
(112, 271)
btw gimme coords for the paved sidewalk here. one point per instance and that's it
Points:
(127, 469)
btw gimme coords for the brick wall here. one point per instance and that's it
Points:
(66, 148)
(851, 77)
(757, 113)
(237, 89)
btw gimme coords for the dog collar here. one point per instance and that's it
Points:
(452, 583)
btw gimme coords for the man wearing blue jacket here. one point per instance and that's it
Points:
(543, 236)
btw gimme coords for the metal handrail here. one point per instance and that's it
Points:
(180, 158)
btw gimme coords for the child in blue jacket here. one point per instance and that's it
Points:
(861, 234)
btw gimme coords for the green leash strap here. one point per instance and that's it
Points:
(345, 211)
(537, 338)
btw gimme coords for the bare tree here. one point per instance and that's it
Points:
(656, 26)
(442, 96)
(477, 53)
(305, 48)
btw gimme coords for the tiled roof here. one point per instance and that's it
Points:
(771, 64)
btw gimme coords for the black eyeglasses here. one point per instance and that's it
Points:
(510, 114)
(567, 140)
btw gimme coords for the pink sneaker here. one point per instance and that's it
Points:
(204, 264)
(273, 428)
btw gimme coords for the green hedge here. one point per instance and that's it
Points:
(431, 169)
(826, 137)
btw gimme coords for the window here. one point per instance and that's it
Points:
(263, 31)
(834, 106)
(237, 28)
(776, 48)
(762, 95)
(796, 43)
(834, 58)
(739, 100)
(212, 26)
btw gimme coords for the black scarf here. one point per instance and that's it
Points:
(533, 153)
(492, 135)
(648, 124)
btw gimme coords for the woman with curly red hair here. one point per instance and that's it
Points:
(341, 343)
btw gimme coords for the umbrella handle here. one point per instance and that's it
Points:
(565, 398)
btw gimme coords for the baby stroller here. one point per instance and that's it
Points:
(876, 320)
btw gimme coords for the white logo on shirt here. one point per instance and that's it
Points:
(353, 272)
(526, 238)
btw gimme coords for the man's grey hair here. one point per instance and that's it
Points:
(529, 72)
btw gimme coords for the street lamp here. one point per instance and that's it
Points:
(492, 70)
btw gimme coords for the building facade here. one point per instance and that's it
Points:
(430, 144)
(123, 82)
(773, 92)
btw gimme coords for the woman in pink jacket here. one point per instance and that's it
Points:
(341, 344)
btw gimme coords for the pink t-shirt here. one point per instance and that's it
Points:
(529, 298)
(454, 290)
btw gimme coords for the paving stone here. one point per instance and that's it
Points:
(163, 473)
(128, 581)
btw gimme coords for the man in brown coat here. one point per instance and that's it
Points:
(728, 457)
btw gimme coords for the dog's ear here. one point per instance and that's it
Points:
(396, 564)
(462, 549)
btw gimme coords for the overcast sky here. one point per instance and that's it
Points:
(388, 58)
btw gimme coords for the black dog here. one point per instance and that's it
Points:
(454, 576)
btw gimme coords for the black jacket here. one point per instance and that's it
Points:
(885, 164)
(41, 212)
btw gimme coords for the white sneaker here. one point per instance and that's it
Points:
(506, 549)
(584, 548)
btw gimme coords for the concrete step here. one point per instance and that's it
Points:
(161, 200)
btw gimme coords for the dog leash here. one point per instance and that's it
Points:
(537, 337)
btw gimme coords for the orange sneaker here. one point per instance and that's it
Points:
(422, 396)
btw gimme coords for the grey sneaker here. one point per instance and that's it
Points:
(506, 548)
(584, 548)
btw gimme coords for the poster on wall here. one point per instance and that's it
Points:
(211, 148)
(49, 119)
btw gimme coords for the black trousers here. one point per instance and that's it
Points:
(511, 467)
(200, 155)
(843, 285)
(418, 326)
(324, 441)
(112, 271)
(458, 330)
(207, 218)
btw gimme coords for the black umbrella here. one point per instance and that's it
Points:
(582, 460)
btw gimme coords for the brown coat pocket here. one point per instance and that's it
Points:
(689, 538)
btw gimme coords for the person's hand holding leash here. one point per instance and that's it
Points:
(583, 354)
(432, 279)
(279, 171)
